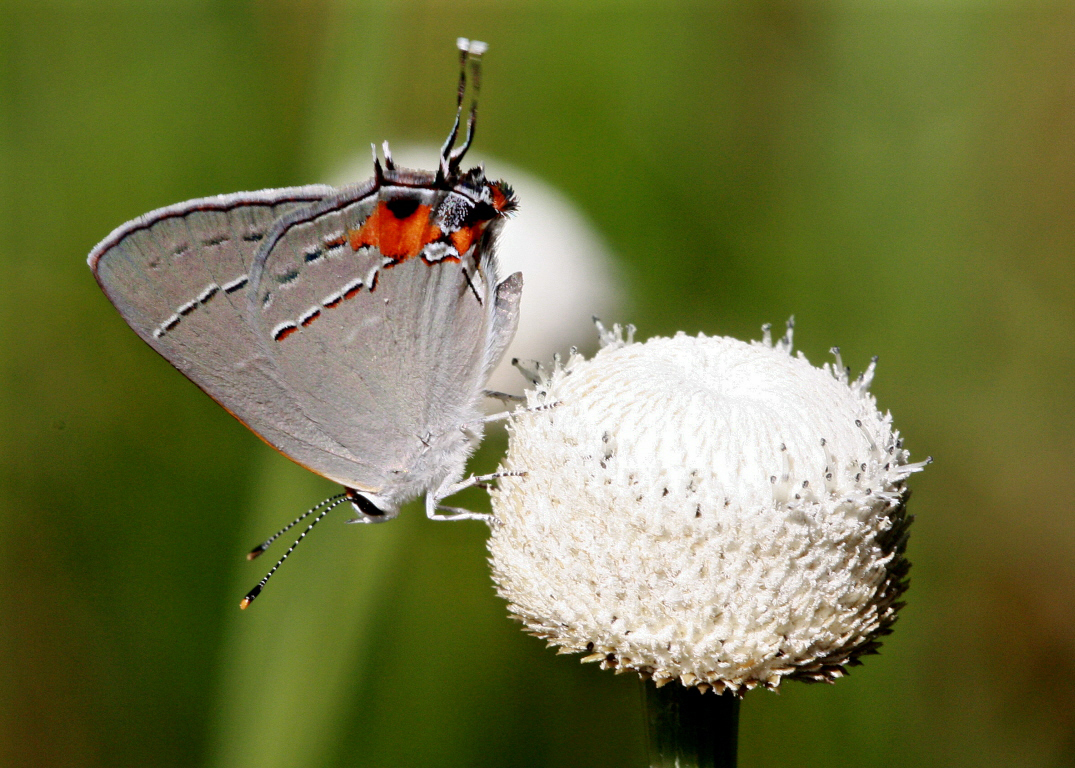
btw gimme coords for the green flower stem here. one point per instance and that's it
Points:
(689, 729)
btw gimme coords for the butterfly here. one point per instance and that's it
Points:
(352, 329)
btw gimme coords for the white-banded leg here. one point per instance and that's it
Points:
(457, 513)
(453, 513)
(473, 480)
(504, 415)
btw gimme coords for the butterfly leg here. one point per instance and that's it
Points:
(477, 480)
(503, 415)
(433, 508)
(456, 513)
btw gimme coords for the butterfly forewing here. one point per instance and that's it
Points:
(180, 277)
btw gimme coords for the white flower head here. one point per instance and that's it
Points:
(704, 509)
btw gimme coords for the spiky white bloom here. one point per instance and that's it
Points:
(704, 509)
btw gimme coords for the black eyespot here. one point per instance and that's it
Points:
(403, 207)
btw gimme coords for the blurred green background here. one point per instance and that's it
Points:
(900, 176)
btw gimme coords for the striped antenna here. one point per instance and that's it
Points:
(329, 505)
(260, 548)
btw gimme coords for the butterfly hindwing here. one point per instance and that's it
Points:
(384, 351)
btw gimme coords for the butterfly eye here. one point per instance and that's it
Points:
(363, 505)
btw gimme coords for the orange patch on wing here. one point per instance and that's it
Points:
(464, 237)
(398, 239)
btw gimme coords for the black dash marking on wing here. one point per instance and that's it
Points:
(209, 292)
(166, 326)
(352, 288)
(282, 331)
(235, 284)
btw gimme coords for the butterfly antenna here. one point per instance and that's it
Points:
(260, 548)
(331, 505)
(475, 48)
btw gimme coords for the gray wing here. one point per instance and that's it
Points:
(179, 276)
(383, 359)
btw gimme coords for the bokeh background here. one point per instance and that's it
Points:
(899, 176)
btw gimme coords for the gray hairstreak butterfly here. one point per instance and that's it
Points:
(352, 329)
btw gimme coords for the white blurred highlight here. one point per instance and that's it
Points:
(568, 271)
